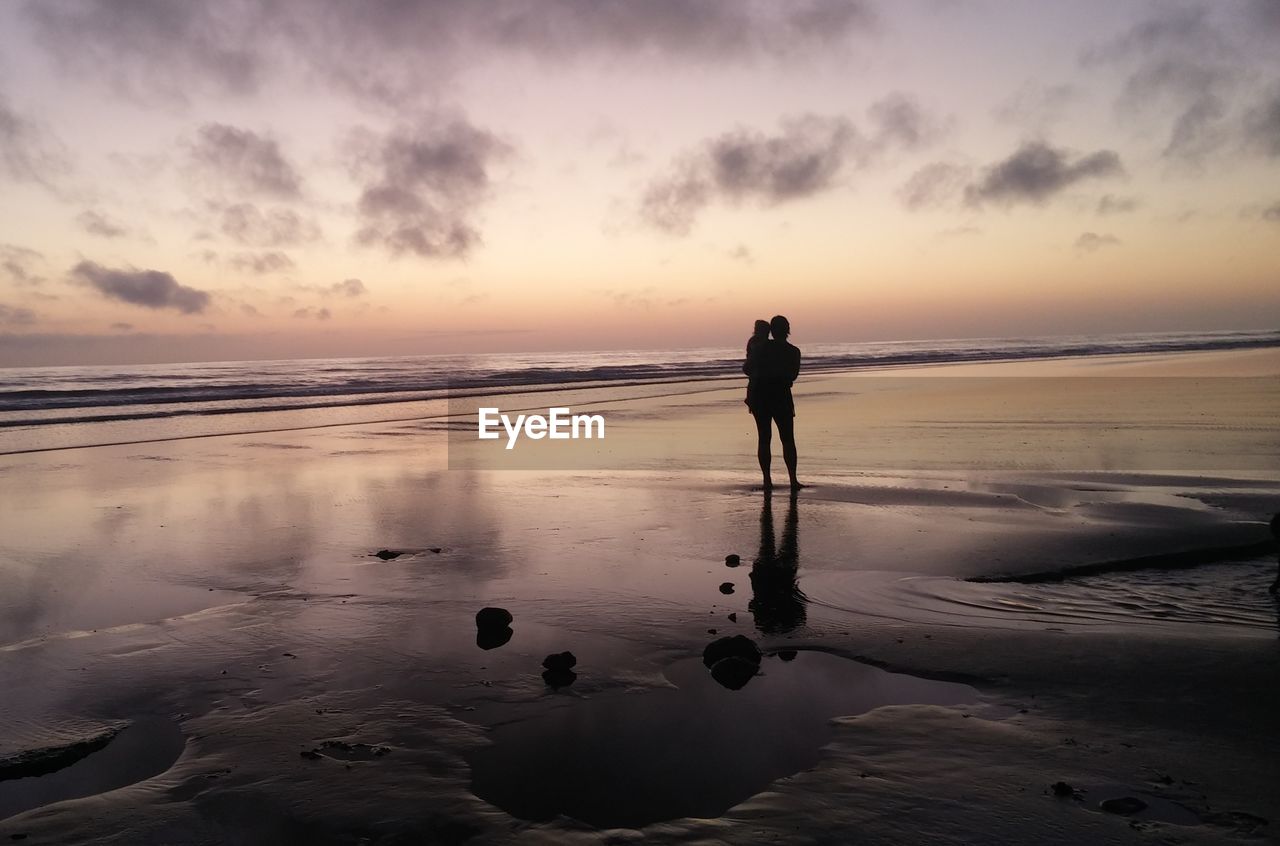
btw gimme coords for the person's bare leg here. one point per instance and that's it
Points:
(764, 434)
(787, 434)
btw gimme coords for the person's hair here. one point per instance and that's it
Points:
(780, 326)
(762, 327)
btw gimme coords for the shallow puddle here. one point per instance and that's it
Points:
(628, 760)
(143, 749)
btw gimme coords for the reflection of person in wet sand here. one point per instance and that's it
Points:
(1275, 532)
(772, 367)
(777, 602)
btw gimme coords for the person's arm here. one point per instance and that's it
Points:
(794, 371)
(749, 363)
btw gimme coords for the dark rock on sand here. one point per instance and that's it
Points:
(493, 638)
(560, 662)
(1125, 805)
(726, 588)
(556, 679)
(733, 618)
(732, 561)
(738, 646)
(787, 655)
(734, 672)
(1062, 789)
(493, 618)
(387, 554)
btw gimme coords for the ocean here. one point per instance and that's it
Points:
(36, 398)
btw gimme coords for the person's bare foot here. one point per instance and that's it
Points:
(795, 486)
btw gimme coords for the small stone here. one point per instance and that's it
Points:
(1061, 788)
(387, 554)
(493, 618)
(711, 631)
(733, 618)
(1125, 805)
(436, 549)
(726, 588)
(560, 661)
(732, 561)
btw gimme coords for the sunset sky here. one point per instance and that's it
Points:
(232, 180)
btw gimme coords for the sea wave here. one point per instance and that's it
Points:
(58, 395)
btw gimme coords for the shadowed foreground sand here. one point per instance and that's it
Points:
(199, 642)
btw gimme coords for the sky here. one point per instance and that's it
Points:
(184, 181)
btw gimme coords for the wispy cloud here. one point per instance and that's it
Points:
(96, 223)
(245, 161)
(29, 152)
(395, 52)
(16, 316)
(1091, 242)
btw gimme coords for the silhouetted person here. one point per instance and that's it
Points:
(759, 337)
(777, 602)
(1275, 532)
(776, 366)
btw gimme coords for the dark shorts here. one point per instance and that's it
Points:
(772, 405)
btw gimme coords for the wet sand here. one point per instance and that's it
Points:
(919, 682)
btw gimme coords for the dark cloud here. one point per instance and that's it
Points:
(1262, 125)
(1091, 242)
(1272, 213)
(19, 263)
(245, 161)
(424, 185)
(808, 155)
(262, 263)
(28, 153)
(1036, 172)
(147, 288)
(1112, 204)
(96, 223)
(933, 185)
(16, 316)
(391, 50)
(246, 224)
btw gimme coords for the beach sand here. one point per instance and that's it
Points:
(199, 644)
